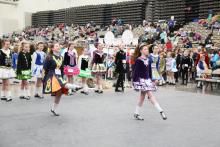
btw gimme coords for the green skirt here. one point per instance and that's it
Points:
(85, 73)
(25, 75)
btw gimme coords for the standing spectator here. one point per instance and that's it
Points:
(120, 62)
(185, 66)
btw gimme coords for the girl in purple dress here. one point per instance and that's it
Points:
(142, 80)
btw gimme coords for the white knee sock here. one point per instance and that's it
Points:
(157, 106)
(54, 106)
(85, 88)
(2, 93)
(71, 86)
(40, 91)
(100, 87)
(199, 83)
(36, 90)
(168, 79)
(27, 92)
(163, 81)
(173, 81)
(8, 94)
(137, 110)
(23, 92)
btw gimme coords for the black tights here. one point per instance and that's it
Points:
(185, 75)
(120, 81)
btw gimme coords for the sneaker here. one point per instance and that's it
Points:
(138, 117)
(163, 115)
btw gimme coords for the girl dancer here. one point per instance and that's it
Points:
(110, 68)
(6, 71)
(38, 60)
(202, 70)
(162, 68)
(98, 67)
(24, 69)
(70, 65)
(142, 80)
(53, 82)
(170, 67)
(15, 57)
(173, 68)
(155, 63)
(85, 73)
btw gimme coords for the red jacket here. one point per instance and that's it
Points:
(169, 46)
(206, 58)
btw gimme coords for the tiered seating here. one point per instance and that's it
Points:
(203, 31)
(43, 18)
(206, 5)
(170, 8)
(130, 12)
(59, 16)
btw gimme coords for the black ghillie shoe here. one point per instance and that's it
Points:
(163, 115)
(138, 117)
(54, 113)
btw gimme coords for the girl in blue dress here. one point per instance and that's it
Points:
(37, 68)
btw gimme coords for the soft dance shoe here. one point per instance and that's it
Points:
(138, 117)
(9, 100)
(54, 113)
(22, 97)
(27, 97)
(163, 115)
(38, 96)
(83, 92)
(3, 98)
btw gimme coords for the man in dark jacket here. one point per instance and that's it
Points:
(185, 65)
(120, 62)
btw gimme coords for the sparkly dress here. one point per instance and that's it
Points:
(98, 66)
(53, 80)
(155, 66)
(24, 66)
(142, 75)
(38, 60)
(6, 70)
